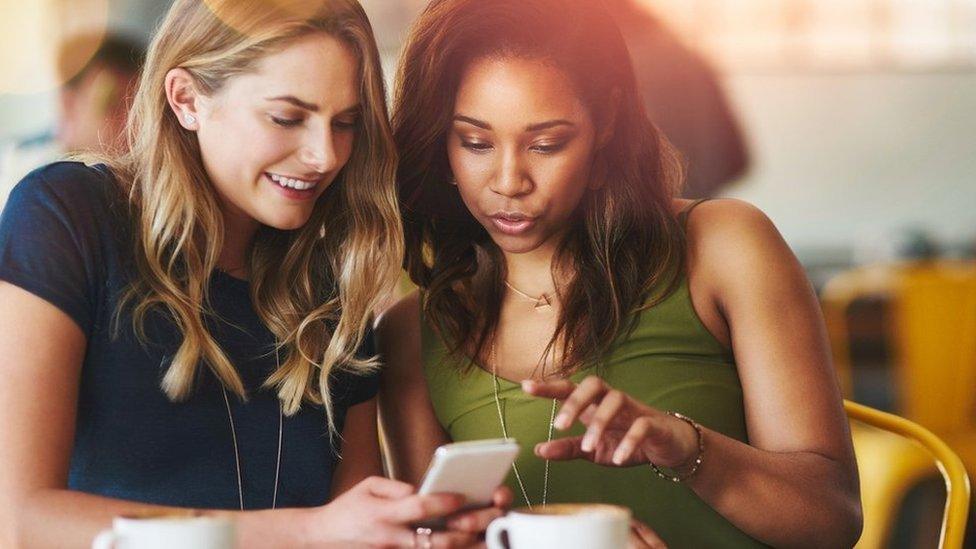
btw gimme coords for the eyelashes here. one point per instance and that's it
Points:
(286, 122)
(476, 147)
(344, 125)
(549, 148)
(542, 148)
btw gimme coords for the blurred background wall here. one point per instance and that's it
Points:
(859, 115)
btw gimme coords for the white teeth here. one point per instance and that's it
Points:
(296, 184)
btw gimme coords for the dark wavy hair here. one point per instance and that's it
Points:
(626, 248)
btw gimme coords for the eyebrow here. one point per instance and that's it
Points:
(531, 128)
(309, 106)
(295, 101)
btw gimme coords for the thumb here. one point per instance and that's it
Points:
(386, 488)
(562, 449)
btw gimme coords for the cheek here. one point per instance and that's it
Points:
(239, 145)
(345, 143)
(469, 170)
(564, 182)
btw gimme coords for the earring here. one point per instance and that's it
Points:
(189, 118)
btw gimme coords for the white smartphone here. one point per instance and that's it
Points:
(472, 468)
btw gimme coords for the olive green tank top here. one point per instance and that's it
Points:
(669, 361)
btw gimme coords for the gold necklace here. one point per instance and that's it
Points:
(237, 455)
(543, 302)
(501, 420)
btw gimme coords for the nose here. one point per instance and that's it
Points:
(318, 152)
(510, 179)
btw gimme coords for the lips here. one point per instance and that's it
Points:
(513, 223)
(297, 183)
(292, 187)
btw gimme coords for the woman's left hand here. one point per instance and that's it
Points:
(620, 431)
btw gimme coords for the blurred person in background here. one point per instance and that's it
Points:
(684, 98)
(187, 324)
(92, 106)
(95, 101)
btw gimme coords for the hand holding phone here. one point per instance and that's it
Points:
(473, 469)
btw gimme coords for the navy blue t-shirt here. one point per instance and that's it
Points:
(65, 237)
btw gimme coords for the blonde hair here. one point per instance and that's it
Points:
(315, 287)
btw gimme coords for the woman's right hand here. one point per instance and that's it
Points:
(378, 512)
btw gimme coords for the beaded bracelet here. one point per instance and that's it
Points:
(698, 459)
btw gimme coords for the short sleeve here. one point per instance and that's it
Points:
(49, 237)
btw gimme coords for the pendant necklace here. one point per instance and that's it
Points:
(237, 455)
(542, 303)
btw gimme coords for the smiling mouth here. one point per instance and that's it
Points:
(293, 182)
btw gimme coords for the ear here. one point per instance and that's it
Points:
(607, 125)
(184, 98)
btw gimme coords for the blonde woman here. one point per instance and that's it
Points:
(188, 326)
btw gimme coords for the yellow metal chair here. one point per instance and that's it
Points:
(933, 341)
(883, 473)
(933, 344)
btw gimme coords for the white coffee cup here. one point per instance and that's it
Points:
(167, 530)
(562, 526)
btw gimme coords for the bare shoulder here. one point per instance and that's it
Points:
(729, 230)
(398, 336)
(403, 315)
(729, 218)
(734, 244)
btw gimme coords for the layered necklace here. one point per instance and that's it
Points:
(542, 303)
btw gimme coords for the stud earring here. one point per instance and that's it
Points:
(189, 118)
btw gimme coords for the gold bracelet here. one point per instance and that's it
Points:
(698, 459)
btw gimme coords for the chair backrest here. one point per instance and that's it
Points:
(949, 464)
(933, 334)
(934, 324)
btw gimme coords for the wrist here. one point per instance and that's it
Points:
(279, 528)
(311, 526)
(685, 467)
(691, 442)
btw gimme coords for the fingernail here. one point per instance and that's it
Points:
(587, 444)
(618, 456)
(561, 422)
(527, 384)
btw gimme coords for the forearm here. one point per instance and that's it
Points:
(797, 499)
(66, 518)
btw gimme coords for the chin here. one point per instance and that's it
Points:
(287, 224)
(515, 244)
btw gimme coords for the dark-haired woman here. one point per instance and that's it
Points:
(646, 351)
